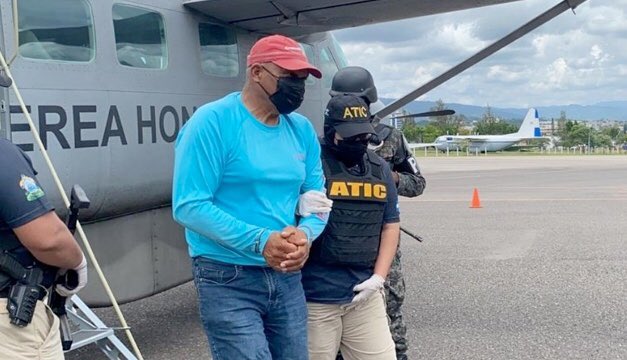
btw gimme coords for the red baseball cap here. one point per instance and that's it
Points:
(283, 52)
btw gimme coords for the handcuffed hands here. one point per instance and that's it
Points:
(365, 289)
(297, 259)
(276, 250)
(312, 202)
(76, 279)
(287, 250)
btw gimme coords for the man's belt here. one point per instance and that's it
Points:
(4, 293)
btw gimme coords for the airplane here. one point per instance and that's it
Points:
(529, 130)
(109, 85)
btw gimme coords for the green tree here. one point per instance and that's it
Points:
(448, 124)
(431, 132)
(491, 125)
(615, 133)
(602, 140)
(561, 123)
(412, 132)
(575, 133)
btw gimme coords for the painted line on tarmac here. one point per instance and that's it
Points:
(498, 188)
(512, 200)
(481, 173)
(556, 188)
(597, 189)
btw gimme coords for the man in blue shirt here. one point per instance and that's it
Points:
(344, 276)
(241, 163)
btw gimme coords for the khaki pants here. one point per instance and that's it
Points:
(360, 331)
(39, 340)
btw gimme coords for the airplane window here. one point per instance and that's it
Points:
(139, 37)
(341, 57)
(327, 66)
(59, 30)
(218, 50)
(311, 55)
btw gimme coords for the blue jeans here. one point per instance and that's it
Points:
(251, 312)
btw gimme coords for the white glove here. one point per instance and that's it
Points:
(313, 202)
(80, 275)
(365, 289)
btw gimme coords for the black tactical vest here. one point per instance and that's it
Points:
(353, 232)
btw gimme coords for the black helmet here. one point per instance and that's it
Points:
(354, 80)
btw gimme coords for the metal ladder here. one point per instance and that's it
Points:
(91, 330)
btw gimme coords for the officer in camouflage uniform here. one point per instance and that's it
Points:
(406, 173)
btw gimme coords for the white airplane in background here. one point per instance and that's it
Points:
(529, 129)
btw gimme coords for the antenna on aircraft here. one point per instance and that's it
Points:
(5, 80)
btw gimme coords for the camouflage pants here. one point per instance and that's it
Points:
(394, 296)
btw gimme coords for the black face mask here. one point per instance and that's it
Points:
(349, 151)
(289, 95)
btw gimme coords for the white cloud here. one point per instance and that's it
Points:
(459, 36)
(540, 44)
(504, 74)
(572, 59)
(557, 73)
(608, 17)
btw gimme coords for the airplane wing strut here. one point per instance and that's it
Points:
(489, 50)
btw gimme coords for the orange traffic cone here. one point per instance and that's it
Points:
(475, 203)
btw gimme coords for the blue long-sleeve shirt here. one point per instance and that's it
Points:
(236, 180)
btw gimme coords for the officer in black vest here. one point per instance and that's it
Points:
(34, 245)
(344, 276)
(409, 181)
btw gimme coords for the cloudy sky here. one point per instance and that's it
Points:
(574, 59)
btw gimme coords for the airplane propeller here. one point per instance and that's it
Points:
(427, 114)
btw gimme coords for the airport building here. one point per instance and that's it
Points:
(549, 127)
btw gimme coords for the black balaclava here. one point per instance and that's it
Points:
(348, 151)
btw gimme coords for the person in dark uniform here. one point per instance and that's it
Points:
(409, 182)
(32, 238)
(348, 263)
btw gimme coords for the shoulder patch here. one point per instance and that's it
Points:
(30, 187)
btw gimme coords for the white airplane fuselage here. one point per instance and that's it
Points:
(495, 143)
(529, 129)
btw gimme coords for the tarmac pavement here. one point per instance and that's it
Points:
(539, 272)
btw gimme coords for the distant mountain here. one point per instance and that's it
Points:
(613, 104)
(607, 110)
